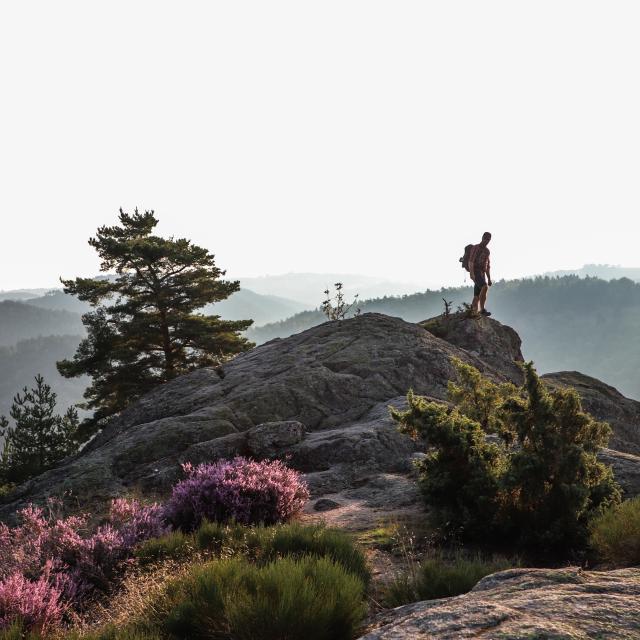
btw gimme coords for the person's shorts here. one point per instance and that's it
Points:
(479, 283)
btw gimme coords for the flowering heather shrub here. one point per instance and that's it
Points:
(136, 521)
(38, 542)
(130, 522)
(240, 489)
(38, 604)
(48, 562)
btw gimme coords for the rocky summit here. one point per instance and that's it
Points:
(320, 399)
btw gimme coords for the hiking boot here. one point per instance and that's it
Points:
(484, 312)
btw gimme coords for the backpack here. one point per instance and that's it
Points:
(465, 258)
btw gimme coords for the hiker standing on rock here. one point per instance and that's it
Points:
(477, 261)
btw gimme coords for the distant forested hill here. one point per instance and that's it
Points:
(21, 294)
(566, 323)
(241, 305)
(21, 362)
(604, 271)
(20, 321)
(308, 288)
(57, 299)
(260, 308)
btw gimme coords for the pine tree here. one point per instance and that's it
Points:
(555, 479)
(39, 438)
(147, 326)
(538, 485)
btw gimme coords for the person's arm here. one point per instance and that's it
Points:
(489, 272)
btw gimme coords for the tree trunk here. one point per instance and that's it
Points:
(166, 345)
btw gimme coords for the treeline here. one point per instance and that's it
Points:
(566, 323)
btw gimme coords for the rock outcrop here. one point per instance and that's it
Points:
(319, 399)
(335, 379)
(525, 603)
(626, 469)
(492, 342)
(605, 403)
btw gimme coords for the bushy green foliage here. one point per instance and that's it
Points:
(5, 490)
(460, 474)
(305, 599)
(146, 328)
(479, 399)
(538, 487)
(439, 576)
(615, 534)
(173, 546)
(39, 437)
(16, 631)
(113, 632)
(213, 535)
(554, 481)
(297, 541)
(262, 544)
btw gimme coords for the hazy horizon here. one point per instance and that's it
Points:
(461, 280)
(358, 137)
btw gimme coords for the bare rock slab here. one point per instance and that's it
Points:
(269, 439)
(523, 604)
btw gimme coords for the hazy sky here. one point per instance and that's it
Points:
(368, 137)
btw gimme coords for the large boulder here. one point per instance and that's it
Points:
(525, 603)
(493, 342)
(626, 469)
(605, 403)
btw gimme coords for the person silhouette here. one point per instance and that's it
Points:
(480, 271)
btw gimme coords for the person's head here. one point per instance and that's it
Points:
(486, 238)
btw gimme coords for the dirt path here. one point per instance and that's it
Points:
(386, 516)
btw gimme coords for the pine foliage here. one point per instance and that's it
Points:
(146, 327)
(39, 436)
(538, 484)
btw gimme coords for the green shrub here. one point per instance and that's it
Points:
(538, 487)
(225, 537)
(16, 631)
(111, 632)
(5, 490)
(459, 451)
(211, 536)
(174, 545)
(441, 577)
(296, 540)
(305, 599)
(615, 534)
(267, 544)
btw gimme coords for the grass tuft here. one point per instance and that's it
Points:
(439, 576)
(175, 546)
(295, 540)
(615, 534)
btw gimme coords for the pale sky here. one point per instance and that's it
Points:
(365, 137)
